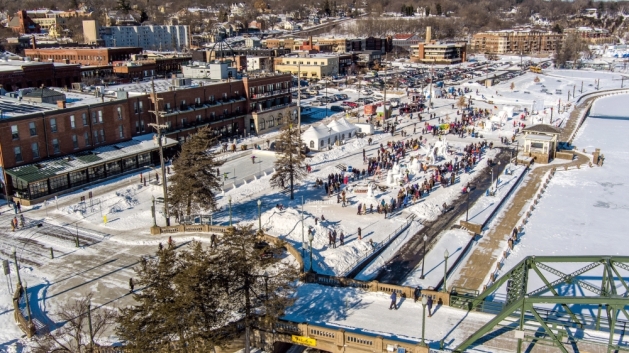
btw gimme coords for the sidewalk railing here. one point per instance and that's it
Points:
(375, 248)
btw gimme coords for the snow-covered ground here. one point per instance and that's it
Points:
(105, 266)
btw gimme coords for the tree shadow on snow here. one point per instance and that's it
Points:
(317, 303)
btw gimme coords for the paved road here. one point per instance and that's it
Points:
(410, 255)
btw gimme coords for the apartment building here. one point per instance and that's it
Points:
(47, 149)
(516, 41)
(592, 35)
(149, 37)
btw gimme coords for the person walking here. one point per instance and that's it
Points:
(15, 223)
(21, 221)
(12, 226)
(329, 238)
(393, 301)
(429, 305)
(342, 239)
(19, 207)
(334, 239)
(131, 285)
(359, 234)
(213, 240)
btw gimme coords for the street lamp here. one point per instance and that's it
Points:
(424, 303)
(259, 216)
(424, 257)
(17, 267)
(445, 273)
(311, 238)
(230, 210)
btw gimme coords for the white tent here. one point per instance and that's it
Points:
(316, 137)
(342, 130)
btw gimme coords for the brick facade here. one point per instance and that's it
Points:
(222, 106)
(37, 74)
(83, 56)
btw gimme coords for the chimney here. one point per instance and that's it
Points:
(428, 34)
(34, 42)
(61, 104)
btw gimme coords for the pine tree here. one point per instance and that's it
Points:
(289, 166)
(258, 285)
(193, 186)
(181, 304)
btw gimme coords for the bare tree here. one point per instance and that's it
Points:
(77, 334)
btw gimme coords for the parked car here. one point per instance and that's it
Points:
(336, 108)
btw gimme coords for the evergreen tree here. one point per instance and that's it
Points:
(289, 166)
(193, 186)
(326, 7)
(124, 6)
(181, 304)
(259, 286)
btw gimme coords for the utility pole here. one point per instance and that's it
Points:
(159, 128)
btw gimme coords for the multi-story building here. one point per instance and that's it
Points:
(23, 24)
(151, 37)
(315, 66)
(213, 54)
(47, 19)
(47, 149)
(406, 40)
(438, 52)
(16, 74)
(592, 35)
(259, 63)
(83, 56)
(516, 41)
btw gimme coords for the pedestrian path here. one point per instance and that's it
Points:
(475, 270)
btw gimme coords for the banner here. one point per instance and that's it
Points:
(306, 341)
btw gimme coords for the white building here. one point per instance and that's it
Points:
(321, 137)
(149, 37)
(218, 71)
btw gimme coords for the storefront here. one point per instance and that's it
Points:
(35, 182)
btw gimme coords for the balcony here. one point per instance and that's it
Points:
(275, 107)
(270, 94)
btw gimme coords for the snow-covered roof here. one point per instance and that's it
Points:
(542, 128)
(315, 132)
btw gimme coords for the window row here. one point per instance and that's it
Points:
(99, 137)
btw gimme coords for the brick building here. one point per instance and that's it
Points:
(83, 56)
(23, 24)
(46, 149)
(21, 74)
